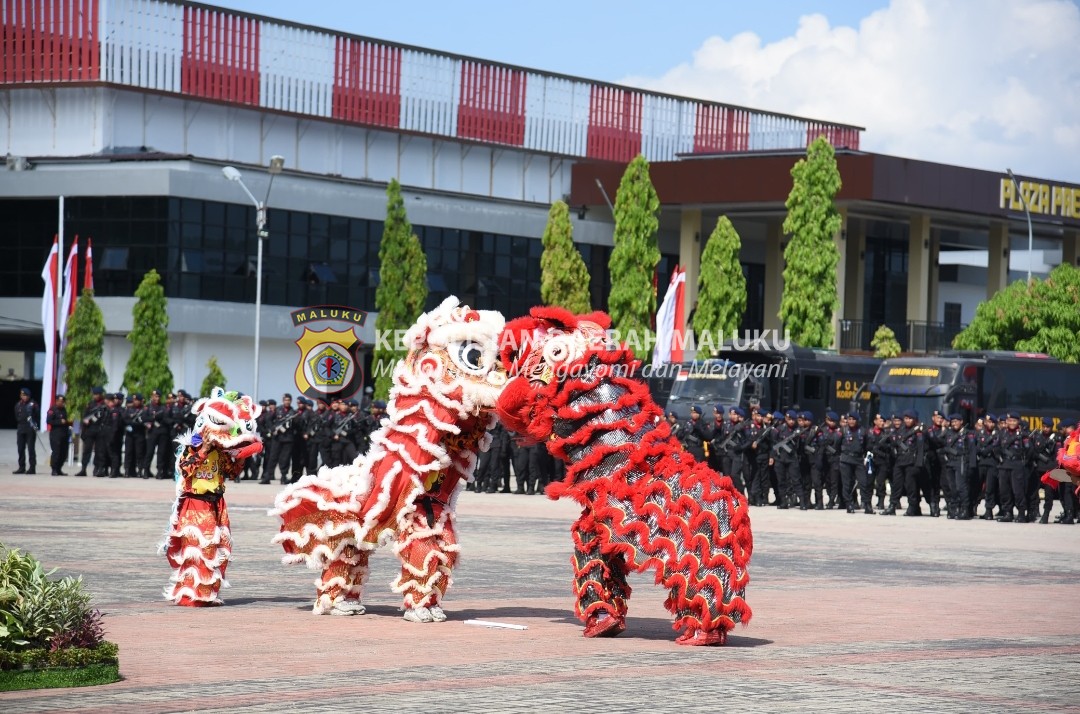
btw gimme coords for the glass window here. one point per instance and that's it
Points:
(114, 259)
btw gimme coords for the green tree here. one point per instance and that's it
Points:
(564, 279)
(148, 367)
(402, 289)
(214, 378)
(721, 285)
(1044, 317)
(811, 256)
(884, 343)
(632, 301)
(83, 355)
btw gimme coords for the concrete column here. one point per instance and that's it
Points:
(690, 246)
(918, 290)
(854, 284)
(840, 241)
(1070, 247)
(997, 259)
(774, 272)
(934, 277)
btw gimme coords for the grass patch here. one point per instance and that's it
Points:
(13, 680)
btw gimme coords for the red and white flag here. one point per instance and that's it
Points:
(48, 322)
(67, 308)
(670, 329)
(88, 275)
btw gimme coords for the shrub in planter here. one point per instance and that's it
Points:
(48, 624)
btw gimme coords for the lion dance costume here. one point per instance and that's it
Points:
(404, 490)
(647, 503)
(198, 544)
(1068, 458)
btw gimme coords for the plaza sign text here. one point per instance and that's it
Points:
(1042, 198)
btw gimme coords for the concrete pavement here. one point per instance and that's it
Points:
(851, 613)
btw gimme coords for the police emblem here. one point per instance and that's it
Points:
(329, 366)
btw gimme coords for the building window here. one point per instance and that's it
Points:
(952, 314)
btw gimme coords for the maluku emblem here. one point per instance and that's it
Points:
(329, 367)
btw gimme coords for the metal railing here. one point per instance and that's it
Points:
(241, 59)
(914, 336)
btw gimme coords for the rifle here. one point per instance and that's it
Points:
(722, 446)
(282, 425)
(808, 448)
(340, 429)
(783, 445)
(764, 433)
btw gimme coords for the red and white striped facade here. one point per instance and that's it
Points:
(206, 53)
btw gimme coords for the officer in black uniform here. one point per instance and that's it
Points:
(301, 438)
(1044, 446)
(879, 461)
(910, 464)
(959, 454)
(59, 434)
(114, 432)
(1014, 447)
(986, 452)
(157, 436)
(853, 448)
(135, 428)
(759, 441)
(284, 435)
(786, 453)
(27, 418)
(94, 443)
(264, 424)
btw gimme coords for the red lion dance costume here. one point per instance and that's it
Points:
(404, 490)
(1068, 458)
(199, 543)
(646, 502)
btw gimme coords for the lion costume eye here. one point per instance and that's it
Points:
(469, 356)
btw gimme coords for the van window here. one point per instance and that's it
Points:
(813, 386)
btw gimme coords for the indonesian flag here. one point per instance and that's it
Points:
(669, 322)
(88, 275)
(67, 308)
(48, 323)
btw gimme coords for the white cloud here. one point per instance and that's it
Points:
(988, 85)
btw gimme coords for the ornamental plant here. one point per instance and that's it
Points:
(148, 367)
(564, 279)
(721, 285)
(214, 378)
(83, 356)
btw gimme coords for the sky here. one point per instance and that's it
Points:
(988, 84)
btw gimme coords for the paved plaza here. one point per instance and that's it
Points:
(852, 613)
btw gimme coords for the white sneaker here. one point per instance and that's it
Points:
(437, 614)
(348, 607)
(419, 614)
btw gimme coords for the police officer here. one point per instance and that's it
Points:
(852, 458)
(284, 436)
(696, 433)
(301, 440)
(135, 428)
(986, 452)
(735, 447)
(759, 440)
(934, 437)
(813, 468)
(264, 424)
(910, 463)
(114, 430)
(959, 454)
(1014, 446)
(879, 462)
(27, 418)
(157, 436)
(1044, 446)
(94, 443)
(59, 434)
(786, 453)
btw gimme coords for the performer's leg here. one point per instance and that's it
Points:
(341, 585)
(600, 586)
(428, 553)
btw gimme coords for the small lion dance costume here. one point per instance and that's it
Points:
(647, 503)
(404, 490)
(199, 544)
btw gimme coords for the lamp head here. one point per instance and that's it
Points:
(230, 173)
(276, 164)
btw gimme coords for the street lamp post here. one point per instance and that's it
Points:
(276, 164)
(1027, 211)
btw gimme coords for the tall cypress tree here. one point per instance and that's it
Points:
(810, 297)
(721, 285)
(148, 367)
(83, 356)
(632, 302)
(564, 279)
(214, 378)
(402, 289)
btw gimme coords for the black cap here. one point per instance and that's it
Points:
(377, 404)
(911, 414)
(25, 390)
(1012, 415)
(155, 392)
(97, 390)
(739, 411)
(60, 396)
(955, 417)
(136, 395)
(695, 409)
(832, 416)
(286, 395)
(183, 393)
(271, 402)
(1047, 421)
(262, 402)
(118, 395)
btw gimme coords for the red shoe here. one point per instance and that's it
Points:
(700, 638)
(607, 626)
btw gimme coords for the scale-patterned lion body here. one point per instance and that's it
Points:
(647, 503)
(404, 489)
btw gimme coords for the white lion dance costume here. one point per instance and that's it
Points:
(404, 490)
(198, 544)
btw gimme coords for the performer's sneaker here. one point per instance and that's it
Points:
(604, 625)
(437, 614)
(419, 614)
(348, 607)
(699, 638)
